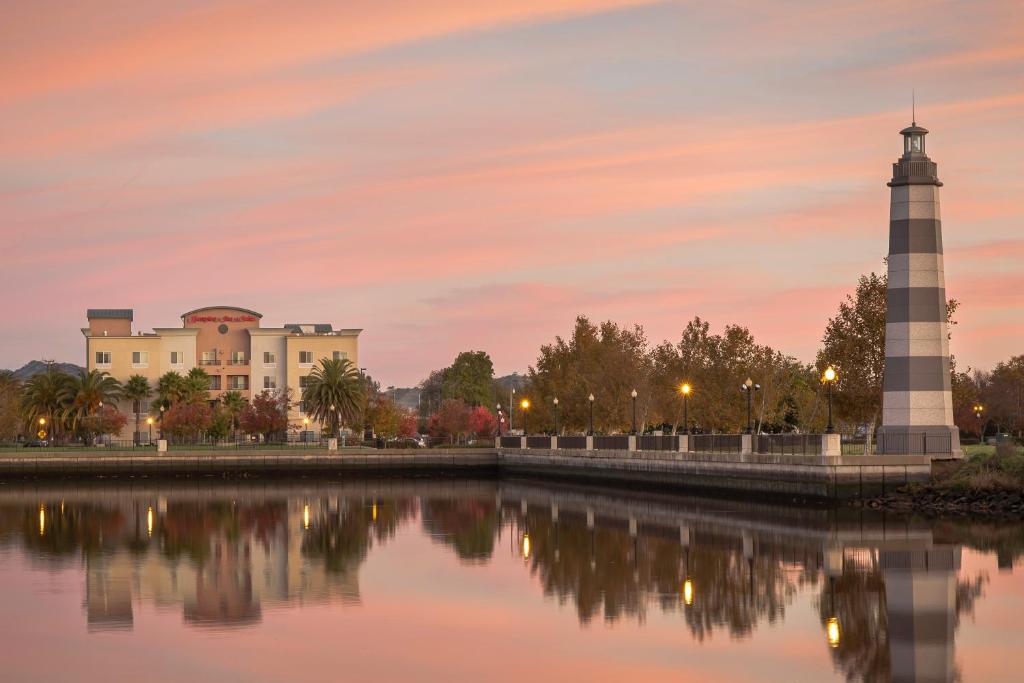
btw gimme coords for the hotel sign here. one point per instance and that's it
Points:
(222, 319)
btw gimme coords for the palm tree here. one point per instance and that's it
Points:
(48, 396)
(197, 383)
(233, 403)
(170, 388)
(334, 393)
(137, 390)
(10, 406)
(89, 391)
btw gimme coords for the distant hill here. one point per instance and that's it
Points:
(35, 367)
(409, 397)
(513, 381)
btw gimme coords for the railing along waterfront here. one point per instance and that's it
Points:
(538, 442)
(787, 444)
(914, 443)
(511, 442)
(614, 442)
(716, 443)
(572, 442)
(657, 442)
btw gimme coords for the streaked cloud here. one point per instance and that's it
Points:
(474, 174)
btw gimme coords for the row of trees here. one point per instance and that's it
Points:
(610, 362)
(469, 379)
(84, 406)
(61, 405)
(999, 393)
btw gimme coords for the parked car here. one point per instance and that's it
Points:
(37, 443)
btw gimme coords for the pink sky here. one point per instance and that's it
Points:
(461, 174)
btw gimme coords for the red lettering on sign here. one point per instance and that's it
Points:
(222, 319)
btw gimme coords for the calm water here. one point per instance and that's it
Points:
(504, 581)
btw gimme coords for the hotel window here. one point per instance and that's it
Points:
(300, 406)
(103, 358)
(209, 358)
(140, 359)
(238, 357)
(140, 407)
(269, 359)
(305, 358)
(177, 358)
(269, 382)
(215, 383)
(304, 381)
(340, 355)
(238, 382)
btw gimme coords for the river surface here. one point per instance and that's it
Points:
(457, 580)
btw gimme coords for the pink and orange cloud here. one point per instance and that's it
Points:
(456, 174)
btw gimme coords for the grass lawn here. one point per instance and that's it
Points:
(984, 449)
(983, 468)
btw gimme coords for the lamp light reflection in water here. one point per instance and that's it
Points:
(374, 511)
(305, 516)
(149, 521)
(42, 520)
(526, 546)
(832, 630)
(688, 592)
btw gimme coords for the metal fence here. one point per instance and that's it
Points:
(538, 442)
(716, 443)
(855, 446)
(615, 442)
(787, 444)
(914, 443)
(511, 442)
(573, 442)
(657, 442)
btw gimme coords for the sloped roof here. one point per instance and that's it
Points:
(318, 328)
(111, 313)
(228, 308)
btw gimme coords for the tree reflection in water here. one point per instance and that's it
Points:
(224, 555)
(609, 572)
(342, 534)
(468, 525)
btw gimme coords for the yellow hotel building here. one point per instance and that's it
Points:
(225, 341)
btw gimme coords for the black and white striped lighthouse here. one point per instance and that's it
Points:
(917, 403)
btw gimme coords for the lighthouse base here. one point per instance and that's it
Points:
(941, 442)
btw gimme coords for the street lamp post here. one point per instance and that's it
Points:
(830, 378)
(525, 405)
(149, 422)
(750, 388)
(499, 418)
(511, 407)
(979, 411)
(633, 394)
(555, 402)
(591, 400)
(685, 391)
(162, 408)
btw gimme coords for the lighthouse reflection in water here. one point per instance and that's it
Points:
(592, 580)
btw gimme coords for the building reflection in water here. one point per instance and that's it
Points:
(889, 592)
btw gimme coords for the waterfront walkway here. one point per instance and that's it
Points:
(812, 476)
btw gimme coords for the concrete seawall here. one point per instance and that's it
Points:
(242, 462)
(812, 476)
(791, 475)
